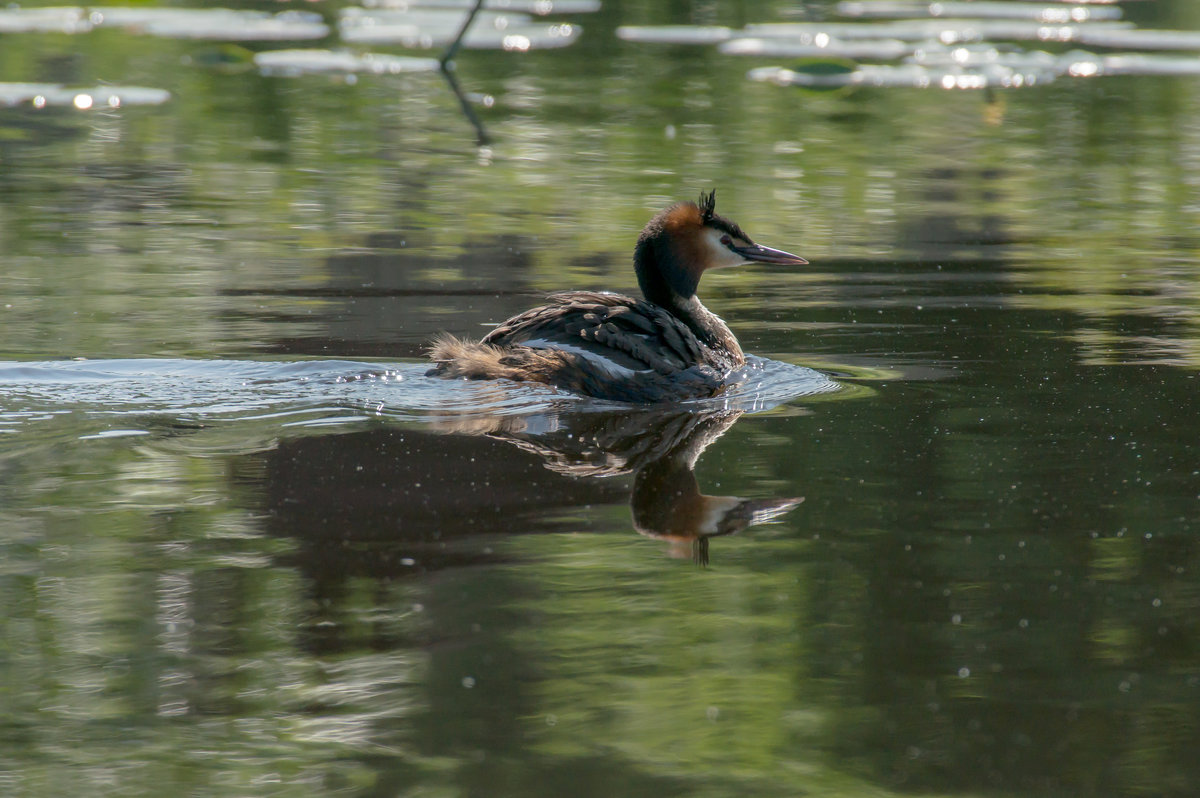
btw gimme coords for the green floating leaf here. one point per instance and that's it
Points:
(223, 58)
(824, 66)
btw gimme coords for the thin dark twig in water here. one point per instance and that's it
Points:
(481, 135)
(447, 68)
(452, 50)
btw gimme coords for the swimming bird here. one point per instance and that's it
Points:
(662, 348)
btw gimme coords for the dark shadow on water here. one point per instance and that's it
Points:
(659, 448)
(395, 502)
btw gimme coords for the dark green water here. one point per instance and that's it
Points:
(252, 579)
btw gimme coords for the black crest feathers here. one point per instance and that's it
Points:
(709, 217)
(708, 206)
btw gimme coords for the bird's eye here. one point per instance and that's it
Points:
(726, 240)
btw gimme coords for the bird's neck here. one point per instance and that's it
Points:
(707, 326)
(671, 286)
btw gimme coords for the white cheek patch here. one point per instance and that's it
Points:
(719, 255)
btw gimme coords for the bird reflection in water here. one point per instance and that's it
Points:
(658, 447)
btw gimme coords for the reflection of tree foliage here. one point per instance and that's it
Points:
(238, 606)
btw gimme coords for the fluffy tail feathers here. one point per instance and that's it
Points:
(458, 357)
(473, 360)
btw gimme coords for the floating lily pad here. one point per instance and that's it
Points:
(222, 57)
(41, 95)
(431, 27)
(1138, 64)
(936, 55)
(883, 49)
(1142, 39)
(947, 31)
(539, 8)
(949, 44)
(44, 20)
(423, 23)
(299, 62)
(826, 72)
(982, 68)
(980, 9)
(220, 24)
(675, 34)
(909, 75)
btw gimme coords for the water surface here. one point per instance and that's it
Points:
(246, 547)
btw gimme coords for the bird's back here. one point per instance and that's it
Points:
(601, 344)
(632, 333)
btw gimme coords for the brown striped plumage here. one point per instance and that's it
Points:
(666, 347)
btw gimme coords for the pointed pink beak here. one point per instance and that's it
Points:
(761, 254)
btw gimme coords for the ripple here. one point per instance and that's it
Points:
(327, 391)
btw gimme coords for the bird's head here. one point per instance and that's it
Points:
(684, 241)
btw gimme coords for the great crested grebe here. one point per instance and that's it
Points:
(666, 347)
